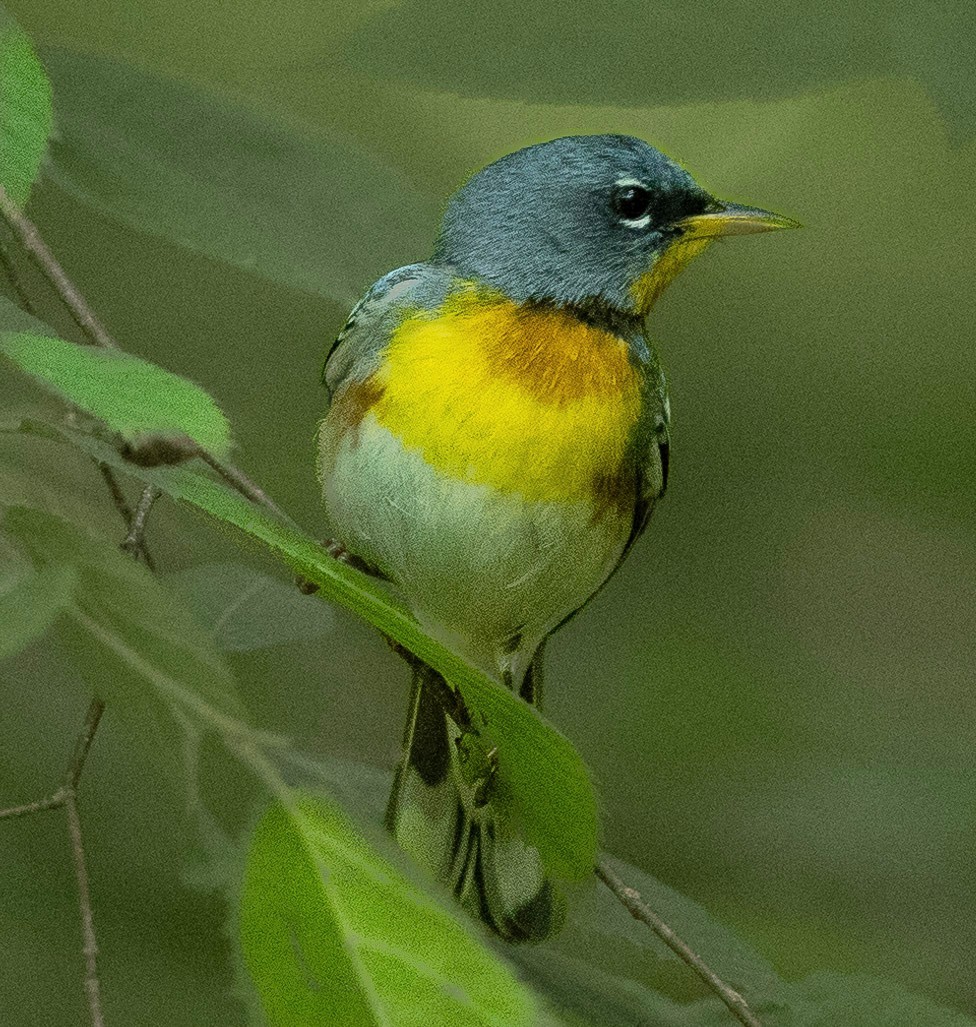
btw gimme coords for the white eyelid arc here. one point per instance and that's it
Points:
(645, 219)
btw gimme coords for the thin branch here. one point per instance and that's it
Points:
(237, 479)
(639, 910)
(125, 511)
(35, 247)
(55, 801)
(89, 946)
(82, 746)
(67, 797)
(134, 542)
(115, 490)
(98, 335)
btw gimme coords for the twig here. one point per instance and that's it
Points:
(89, 946)
(115, 490)
(125, 511)
(82, 746)
(240, 481)
(134, 542)
(35, 247)
(67, 797)
(639, 910)
(55, 801)
(98, 335)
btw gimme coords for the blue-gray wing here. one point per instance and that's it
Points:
(358, 348)
(654, 447)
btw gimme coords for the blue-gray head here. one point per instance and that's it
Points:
(602, 220)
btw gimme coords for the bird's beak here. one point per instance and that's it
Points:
(697, 232)
(732, 219)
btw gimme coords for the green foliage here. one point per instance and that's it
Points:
(245, 610)
(215, 178)
(759, 687)
(29, 605)
(134, 398)
(25, 110)
(540, 774)
(139, 648)
(331, 933)
(132, 638)
(646, 55)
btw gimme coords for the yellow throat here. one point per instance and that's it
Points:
(521, 398)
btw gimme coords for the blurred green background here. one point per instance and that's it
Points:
(775, 693)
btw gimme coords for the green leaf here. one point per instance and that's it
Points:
(540, 775)
(25, 110)
(587, 973)
(719, 50)
(607, 970)
(714, 51)
(826, 999)
(599, 926)
(131, 636)
(246, 610)
(31, 604)
(132, 396)
(13, 319)
(332, 934)
(316, 214)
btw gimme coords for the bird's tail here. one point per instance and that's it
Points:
(441, 812)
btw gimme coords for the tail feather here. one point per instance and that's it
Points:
(442, 814)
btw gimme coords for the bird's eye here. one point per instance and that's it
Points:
(631, 201)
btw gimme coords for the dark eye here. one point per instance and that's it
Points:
(631, 202)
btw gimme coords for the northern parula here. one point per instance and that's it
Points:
(497, 436)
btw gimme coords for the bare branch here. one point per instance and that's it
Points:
(98, 335)
(639, 910)
(237, 479)
(125, 511)
(134, 542)
(118, 496)
(35, 247)
(67, 797)
(92, 719)
(55, 801)
(89, 945)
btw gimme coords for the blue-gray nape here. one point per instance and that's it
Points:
(540, 223)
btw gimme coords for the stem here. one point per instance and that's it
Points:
(134, 542)
(83, 745)
(639, 910)
(239, 480)
(67, 796)
(115, 490)
(35, 247)
(97, 334)
(55, 801)
(89, 946)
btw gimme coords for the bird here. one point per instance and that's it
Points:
(497, 434)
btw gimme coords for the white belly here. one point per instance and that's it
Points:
(485, 571)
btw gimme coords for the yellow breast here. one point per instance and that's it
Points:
(522, 398)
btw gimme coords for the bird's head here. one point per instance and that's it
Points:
(602, 220)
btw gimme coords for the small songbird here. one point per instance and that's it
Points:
(497, 436)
